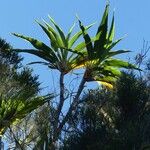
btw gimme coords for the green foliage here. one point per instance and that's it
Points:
(59, 56)
(94, 54)
(16, 107)
(100, 53)
(134, 99)
(8, 57)
(18, 90)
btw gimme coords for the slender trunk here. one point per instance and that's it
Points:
(71, 108)
(46, 143)
(58, 112)
(1, 143)
(74, 104)
(62, 99)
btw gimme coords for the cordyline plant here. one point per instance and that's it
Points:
(15, 107)
(94, 55)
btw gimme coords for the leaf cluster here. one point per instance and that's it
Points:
(94, 54)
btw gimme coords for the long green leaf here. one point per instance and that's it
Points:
(108, 79)
(88, 41)
(58, 38)
(114, 53)
(69, 34)
(62, 35)
(112, 71)
(51, 36)
(113, 44)
(102, 32)
(81, 46)
(64, 53)
(39, 54)
(77, 36)
(112, 31)
(36, 43)
(120, 64)
(43, 49)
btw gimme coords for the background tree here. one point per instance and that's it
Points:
(32, 132)
(113, 120)
(18, 91)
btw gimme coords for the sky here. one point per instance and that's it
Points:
(131, 19)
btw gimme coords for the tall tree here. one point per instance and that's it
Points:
(94, 55)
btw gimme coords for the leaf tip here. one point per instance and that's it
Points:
(107, 3)
(77, 16)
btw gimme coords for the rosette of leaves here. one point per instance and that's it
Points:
(99, 59)
(14, 107)
(63, 52)
(95, 54)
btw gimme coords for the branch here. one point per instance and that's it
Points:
(60, 105)
(62, 99)
(16, 140)
(74, 103)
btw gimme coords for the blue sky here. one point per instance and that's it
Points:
(131, 17)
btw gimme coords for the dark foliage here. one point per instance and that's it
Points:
(12, 70)
(7, 56)
(113, 120)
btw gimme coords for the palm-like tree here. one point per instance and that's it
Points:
(100, 64)
(14, 107)
(62, 55)
(93, 54)
(59, 55)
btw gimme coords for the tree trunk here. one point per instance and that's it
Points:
(58, 126)
(74, 103)
(1, 143)
(58, 112)
(62, 99)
